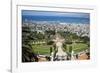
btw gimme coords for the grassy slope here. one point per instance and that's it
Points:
(78, 47)
(41, 49)
(45, 49)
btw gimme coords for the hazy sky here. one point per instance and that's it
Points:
(60, 14)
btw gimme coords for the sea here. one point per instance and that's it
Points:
(73, 20)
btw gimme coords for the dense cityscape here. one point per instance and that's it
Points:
(41, 26)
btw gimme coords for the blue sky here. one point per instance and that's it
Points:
(60, 14)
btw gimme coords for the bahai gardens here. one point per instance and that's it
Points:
(55, 36)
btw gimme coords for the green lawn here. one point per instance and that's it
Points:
(45, 49)
(78, 47)
(42, 49)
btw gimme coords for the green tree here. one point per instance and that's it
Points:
(27, 38)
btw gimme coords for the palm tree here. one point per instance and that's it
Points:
(28, 54)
